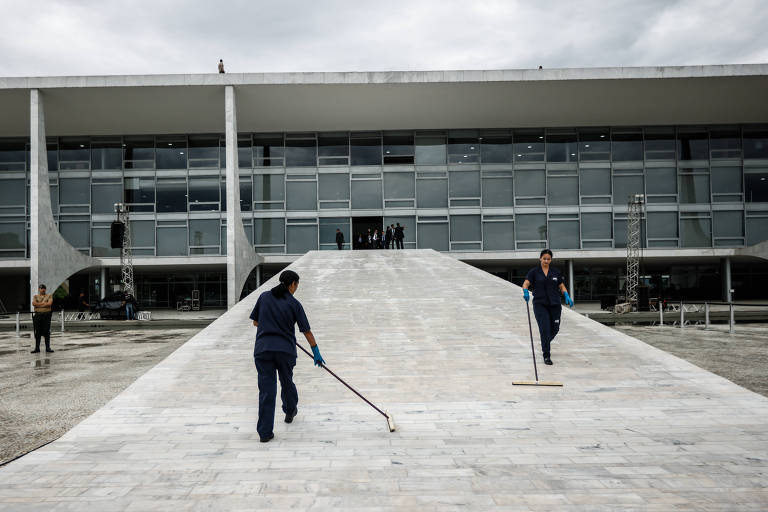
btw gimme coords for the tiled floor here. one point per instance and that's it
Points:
(437, 343)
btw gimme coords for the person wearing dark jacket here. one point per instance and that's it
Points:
(388, 237)
(275, 314)
(339, 238)
(399, 235)
(547, 283)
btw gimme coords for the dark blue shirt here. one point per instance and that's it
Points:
(276, 318)
(546, 289)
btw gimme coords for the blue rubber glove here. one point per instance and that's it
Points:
(318, 358)
(568, 299)
(526, 294)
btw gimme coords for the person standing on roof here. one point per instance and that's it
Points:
(221, 66)
(547, 283)
(275, 314)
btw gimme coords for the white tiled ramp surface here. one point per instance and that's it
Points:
(437, 343)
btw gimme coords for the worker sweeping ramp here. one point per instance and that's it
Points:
(390, 420)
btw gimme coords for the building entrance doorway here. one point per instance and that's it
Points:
(360, 227)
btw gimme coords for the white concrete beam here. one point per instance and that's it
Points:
(52, 259)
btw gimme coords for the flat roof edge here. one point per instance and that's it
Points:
(386, 77)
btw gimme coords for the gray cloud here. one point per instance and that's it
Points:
(49, 37)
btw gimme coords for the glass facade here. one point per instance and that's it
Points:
(456, 190)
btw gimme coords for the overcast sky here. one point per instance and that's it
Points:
(84, 37)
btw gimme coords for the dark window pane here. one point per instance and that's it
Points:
(594, 145)
(12, 155)
(172, 241)
(696, 232)
(561, 147)
(694, 188)
(246, 195)
(77, 233)
(333, 149)
(104, 197)
(496, 149)
(595, 182)
(171, 196)
(564, 234)
(499, 236)
(531, 227)
(204, 152)
(74, 190)
(106, 155)
(269, 231)
(301, 239)
(627, 147)
(399, 185)
(562, 190)
(12, 192)
(693, 146)
(366, 194)
(204, 232)
(464, 183)
(365, 151)
(430, 150)
(139, 149)
(52, 154)
(204, 189)
(433, 236)
(268, 187)
(660, 144)
(596, 226)
(12, 235)
(529, 145)
(530, 183)
(398, 149)
(725, 143)
(244, 152)
(756, 144)
(463, 147)
(268, 150)
(726, 180)
(661, 181)
(498, 191)
(140, 190)
(432, 193)
(300, 152)
(101, 244)
(143, 233)
(333, 187)
(301, 195)
(171, 154)
(626, 186)
(756, 186)
(74, 150)
(728, 224)
(465, 228)
(662, 224)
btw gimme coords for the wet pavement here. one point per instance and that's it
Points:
(741, 357)
(42, 396)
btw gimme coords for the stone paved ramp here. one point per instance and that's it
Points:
(437, 343)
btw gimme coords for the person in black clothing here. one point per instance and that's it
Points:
(399, 235)
(339, 238)
(547, 284)
(387, 237)
(275, 314)
(82, 303)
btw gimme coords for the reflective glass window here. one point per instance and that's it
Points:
(101, 245)
(465, 228)
(143, 233)
(269, 231)
(757, 230)
(204, 232)
(531, 226)
(365, 150)
(171, 153)
(12, 192)
(204, 152)
(398, 148)
(409, 229)
(530, 183)
(172, 241)
(596, 226)
(74, 153)
(495, 149)
(728, 224)
(756, 185)
(301, 195)
(333, 149)
(430, 150)
(74, 191)
(139, 190)
(328, 227)
(595, 182)
(694, 188)
(77, 233)
(366, 194)
(204, 193)
(594, 145)
(626, 146)
(626, 186)
(244, 152)
(139, 152)
(564, 234)
(498, 188)
(463, 147)
(727, 180)
(399, 185)
(662, 224)
(106, 155)
(52, 155)
(300, 150)
(333, 187)
(620, 233)
(432, 193)
(528, 145)
(266, 188)
(725, 143)
(499, 236)
(695, 232)
(171, 195)
(693, 145)
(12, 235)
(268, 150)
(562, 190)
(12, 154)
(561, 147)
(660, 144)
(755, 143)
(433, 236)
(104, 196)
(246, 194)
(662, 181)
(301, 239)
(464, 183)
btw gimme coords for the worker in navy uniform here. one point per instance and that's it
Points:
(547, 285)
(275, 314)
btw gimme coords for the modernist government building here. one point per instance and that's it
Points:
(488, 167)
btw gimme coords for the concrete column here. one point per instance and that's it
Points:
(103, 289)
(571, 282)
(241, 258)
(52, 259)
(727, 275)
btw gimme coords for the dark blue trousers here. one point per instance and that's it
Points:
(548, 318)
(267, 363)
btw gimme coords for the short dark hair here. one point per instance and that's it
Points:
(42, 286)
(287, 278)
(546, 251)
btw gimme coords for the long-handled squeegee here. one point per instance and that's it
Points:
(537, 382)
(390, 420)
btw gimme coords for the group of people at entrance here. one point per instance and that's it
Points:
(390, 238)
(277, 312)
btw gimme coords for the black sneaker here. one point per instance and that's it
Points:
(36, 351)
(290, 415)
(547, 361)
(49, 350)
(267, 439)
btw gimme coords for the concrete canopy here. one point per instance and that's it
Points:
(117, 105)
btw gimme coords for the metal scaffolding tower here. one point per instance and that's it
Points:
(634, 215)
(126, 255)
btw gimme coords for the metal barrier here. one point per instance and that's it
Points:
(696, 307)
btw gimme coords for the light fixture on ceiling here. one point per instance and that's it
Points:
(529, 147)
(170, 144)
(471, 147)
(465, 156)
(541, 136)
(181, 152)
(82, 145)
(586, 145)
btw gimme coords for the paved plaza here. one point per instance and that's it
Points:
(437, 343)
